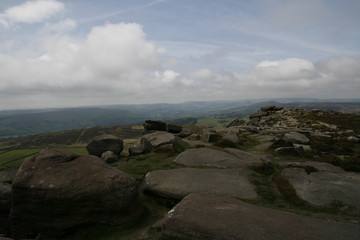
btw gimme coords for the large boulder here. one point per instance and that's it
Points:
(103, 143)
(324, 187)
(156, 139)
(178, 183)
(55, 191)
(209, 158)
(174, 128)
(204, 217)
(156, 125)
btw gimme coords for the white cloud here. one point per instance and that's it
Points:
(115, 63)
(64, 26)
(30, 12)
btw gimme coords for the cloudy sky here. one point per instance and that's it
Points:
(56, 53)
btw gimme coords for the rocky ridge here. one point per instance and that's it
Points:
(281, 158)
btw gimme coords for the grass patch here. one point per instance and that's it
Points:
(214, 122)
(138, 166)
(349, 163)
(263, 188)
(12, 160)
(81, 151)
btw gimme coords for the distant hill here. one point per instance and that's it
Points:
(15, 123)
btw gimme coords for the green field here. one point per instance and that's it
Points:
(11, 160)
(214, 122)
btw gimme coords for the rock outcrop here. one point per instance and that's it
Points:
(325, 187)
(204, 217)
(178, 183)
(55, 191)
(208, 158)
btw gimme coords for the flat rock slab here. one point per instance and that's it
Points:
(319, 166)
(208, 157)
(322, 188)
(178, 183)
(203, 217)
(156, 139)
(295, 137)
(246, 157)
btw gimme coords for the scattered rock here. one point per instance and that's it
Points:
(323, 188)
(156, 125)
(55, 191)
(156, 139)
(136, 150)
(178, 183)
(353, 139)
(295, 137)
(103, 143)
(109, 157)
(208, 157)
(203, 217)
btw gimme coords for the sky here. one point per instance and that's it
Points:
(68, 53)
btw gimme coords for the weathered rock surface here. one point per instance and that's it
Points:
(232, 134)
(103, 143)
(323, 187)
(156, 139)
(246, 157)
(6, 179)
(109, 157)
(178, 183)
(295, 137)
(208, 157)
(205, 217)
(211, 136)
(57, 190)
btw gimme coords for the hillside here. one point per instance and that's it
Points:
(28, 122)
